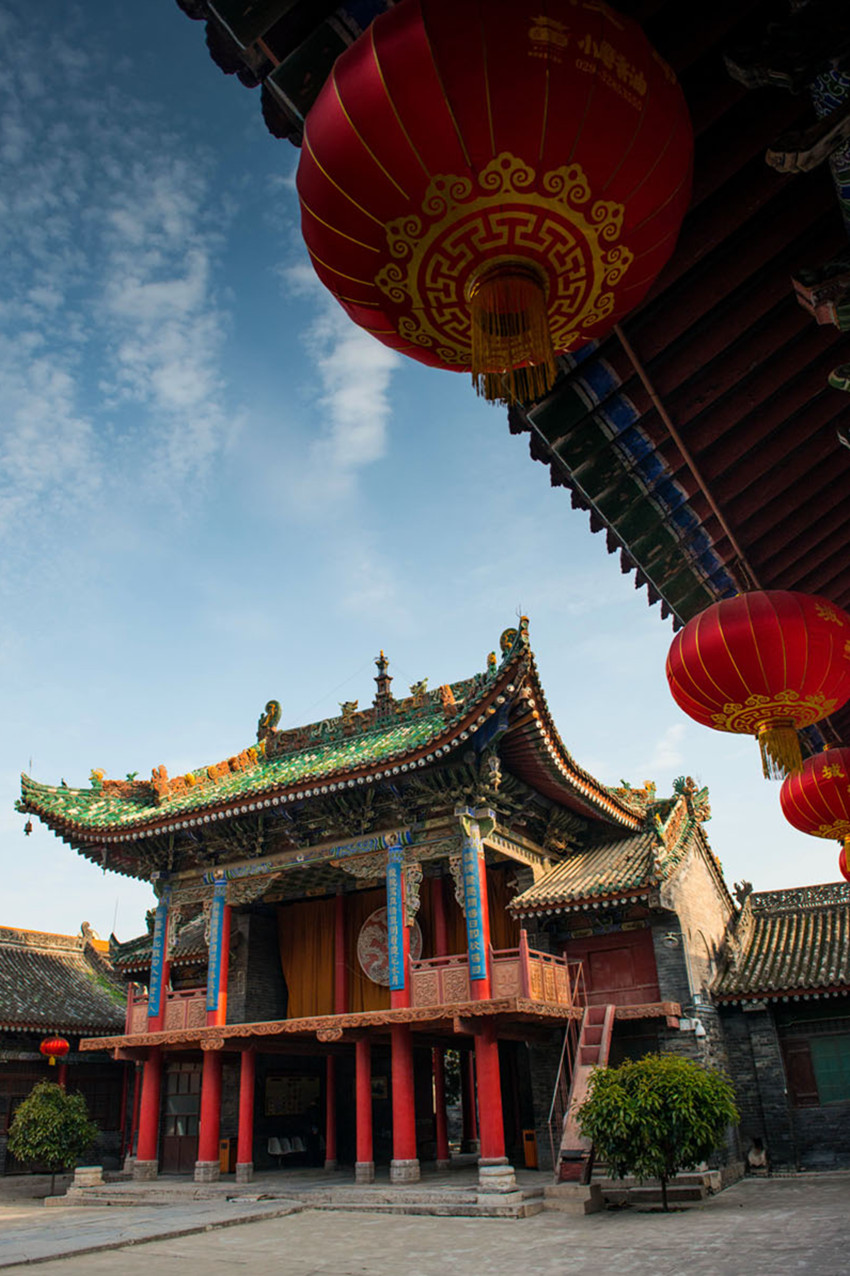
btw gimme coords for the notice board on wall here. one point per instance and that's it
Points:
(291, 1095)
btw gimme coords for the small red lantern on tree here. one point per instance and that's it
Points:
(765, 663)
(54, 1048)
(817, 799)
(485, 184)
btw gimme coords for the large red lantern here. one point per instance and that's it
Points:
(487, 183)
(766, 664)
(817, 800)
(54, 1048)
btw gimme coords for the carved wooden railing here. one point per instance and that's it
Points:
(514, 972)
(185, 1009)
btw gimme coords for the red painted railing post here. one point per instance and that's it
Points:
(524, 965)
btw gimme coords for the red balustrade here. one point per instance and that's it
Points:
(184, 1009)
(514, 972)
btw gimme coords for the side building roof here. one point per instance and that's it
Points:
(57, 983)
(789, 944)
(618, 868)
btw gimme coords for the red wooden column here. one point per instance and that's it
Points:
(440, 1120)
(207, 1165)
(364, 1170)
(147, 1165)
(340, 1004)
(494, 1172)
(474, 826)
(438, 907)
(404, 1167)
(245, 1141)
(62, 1076)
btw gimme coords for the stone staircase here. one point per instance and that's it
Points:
(421, 1198)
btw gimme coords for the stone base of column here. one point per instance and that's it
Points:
(496, 1175)
(207, 1171)
(144, 1171)
(330, 1165)
(244, 1172)
(444, 1165)
(364, 1172)
(404, 1171)
(127, 1167)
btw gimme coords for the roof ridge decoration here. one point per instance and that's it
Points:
(797, 898)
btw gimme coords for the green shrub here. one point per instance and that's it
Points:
(654, 1116)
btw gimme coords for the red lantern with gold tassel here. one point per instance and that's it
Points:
(485, 184)
(766, 664)
(54, 1048)
(817, 800)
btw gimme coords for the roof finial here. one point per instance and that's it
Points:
(383, 696)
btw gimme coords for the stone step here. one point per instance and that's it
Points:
(461, 1209)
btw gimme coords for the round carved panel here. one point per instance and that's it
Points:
(373, 947)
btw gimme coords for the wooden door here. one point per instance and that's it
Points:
(180, 1120)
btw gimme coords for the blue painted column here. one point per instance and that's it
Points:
(160, 965)
(398, 934)
(473, 824)
(218, 949)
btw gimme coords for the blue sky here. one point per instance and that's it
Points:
(215, 490)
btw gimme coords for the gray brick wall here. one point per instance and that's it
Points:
(256, 989)
(543, 1059)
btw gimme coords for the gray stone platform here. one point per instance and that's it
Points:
(758, 1227)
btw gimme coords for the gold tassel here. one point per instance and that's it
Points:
(512, 353)
(780, 750)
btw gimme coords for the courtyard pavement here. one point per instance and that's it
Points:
(762, 1227)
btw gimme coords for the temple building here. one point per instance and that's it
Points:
(60, 985)
(340, 904)
(347, 909)
(783, 999)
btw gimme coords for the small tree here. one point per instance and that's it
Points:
(654, 1116)
(52, 1128)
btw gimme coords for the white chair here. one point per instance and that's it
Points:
(275, 1148)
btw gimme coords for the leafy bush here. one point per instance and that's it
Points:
(654, 1116)
(52, 1128)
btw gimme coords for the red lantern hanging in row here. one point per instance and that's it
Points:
(817, 800)
(765, 664)
(843, 868)
(54, 1048)
(484, 185)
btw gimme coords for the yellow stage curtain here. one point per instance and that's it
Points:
(363, 994)
(504, 929)
(306, 938)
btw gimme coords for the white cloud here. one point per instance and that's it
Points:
(354, 372)
(667, 752)
(109, 240)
